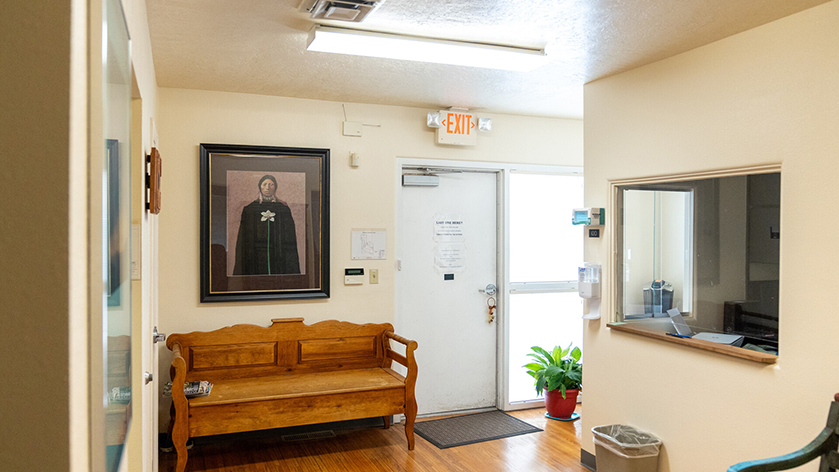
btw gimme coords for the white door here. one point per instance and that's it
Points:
(154, 341)
(143, 447)
(447, 254)
(146, 425)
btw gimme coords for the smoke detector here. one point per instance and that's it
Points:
(341, 10)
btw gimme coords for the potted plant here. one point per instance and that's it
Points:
(560, 374)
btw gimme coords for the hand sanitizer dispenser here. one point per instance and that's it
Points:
(589, 280)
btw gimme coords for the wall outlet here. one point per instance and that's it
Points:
(374, 276)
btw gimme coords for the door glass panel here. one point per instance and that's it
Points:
(544, 245)
(540, 319)
(116, 230)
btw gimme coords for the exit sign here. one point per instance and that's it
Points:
(458, 128)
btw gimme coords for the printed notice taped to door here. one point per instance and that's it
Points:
(448, 228)
(450, 257)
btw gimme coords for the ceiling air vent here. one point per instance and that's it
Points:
(341, 10)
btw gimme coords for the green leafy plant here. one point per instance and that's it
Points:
(560, 369)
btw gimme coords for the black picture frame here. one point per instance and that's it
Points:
(241, 259)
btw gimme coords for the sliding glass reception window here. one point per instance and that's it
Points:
(700, 258)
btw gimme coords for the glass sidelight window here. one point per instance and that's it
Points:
(545, 251)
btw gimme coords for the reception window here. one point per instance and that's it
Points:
(700, 258)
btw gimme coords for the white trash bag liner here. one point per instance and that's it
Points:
(626, 441)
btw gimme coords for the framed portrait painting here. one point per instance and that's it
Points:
(264, 223)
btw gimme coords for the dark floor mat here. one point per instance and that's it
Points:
(470, 429)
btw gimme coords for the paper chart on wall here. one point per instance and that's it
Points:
(369, 244)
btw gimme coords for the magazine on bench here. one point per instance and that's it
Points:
(199, 388)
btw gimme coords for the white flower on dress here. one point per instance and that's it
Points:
(267, 215)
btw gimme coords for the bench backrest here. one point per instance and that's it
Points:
(287, 346)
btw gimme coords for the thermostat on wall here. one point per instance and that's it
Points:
(353, 276)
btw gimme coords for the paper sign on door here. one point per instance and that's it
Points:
(448, 228)
(450, 257)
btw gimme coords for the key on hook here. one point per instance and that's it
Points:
(491, 306)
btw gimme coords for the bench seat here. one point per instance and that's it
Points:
(295, 400)
(299, 385)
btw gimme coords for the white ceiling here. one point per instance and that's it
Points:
(259, 46)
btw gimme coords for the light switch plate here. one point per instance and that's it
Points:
(374, 276)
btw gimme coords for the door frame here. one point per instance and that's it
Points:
(502, 255)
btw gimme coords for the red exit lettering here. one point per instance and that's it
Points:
(457, 123)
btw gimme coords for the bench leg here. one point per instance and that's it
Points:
(180, 435)
(180, 450)
(387, 421)
(410, 417)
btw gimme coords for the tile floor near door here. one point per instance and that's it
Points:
(556, 449)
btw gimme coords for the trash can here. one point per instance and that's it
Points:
(622, 448)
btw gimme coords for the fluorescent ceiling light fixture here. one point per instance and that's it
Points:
(412, 48)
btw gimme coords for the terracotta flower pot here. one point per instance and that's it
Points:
(559, 407)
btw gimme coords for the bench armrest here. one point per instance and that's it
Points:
(410, 346)
(398, 338)
(817, 447)
(178, 366)
(824, 445)
(410, 362)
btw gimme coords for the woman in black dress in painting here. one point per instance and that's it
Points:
(267, 241)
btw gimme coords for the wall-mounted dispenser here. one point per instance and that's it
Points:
(588, 282)
(588, 216)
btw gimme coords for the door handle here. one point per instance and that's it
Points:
(489, 290)
(157, 337)
(148, 377)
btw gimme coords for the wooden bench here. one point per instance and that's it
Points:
(289, 374)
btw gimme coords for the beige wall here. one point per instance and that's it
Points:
(360, 197)
(35, 94)
(768, 95)
(48, 117)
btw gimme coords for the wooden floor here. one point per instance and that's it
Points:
(557, 448)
